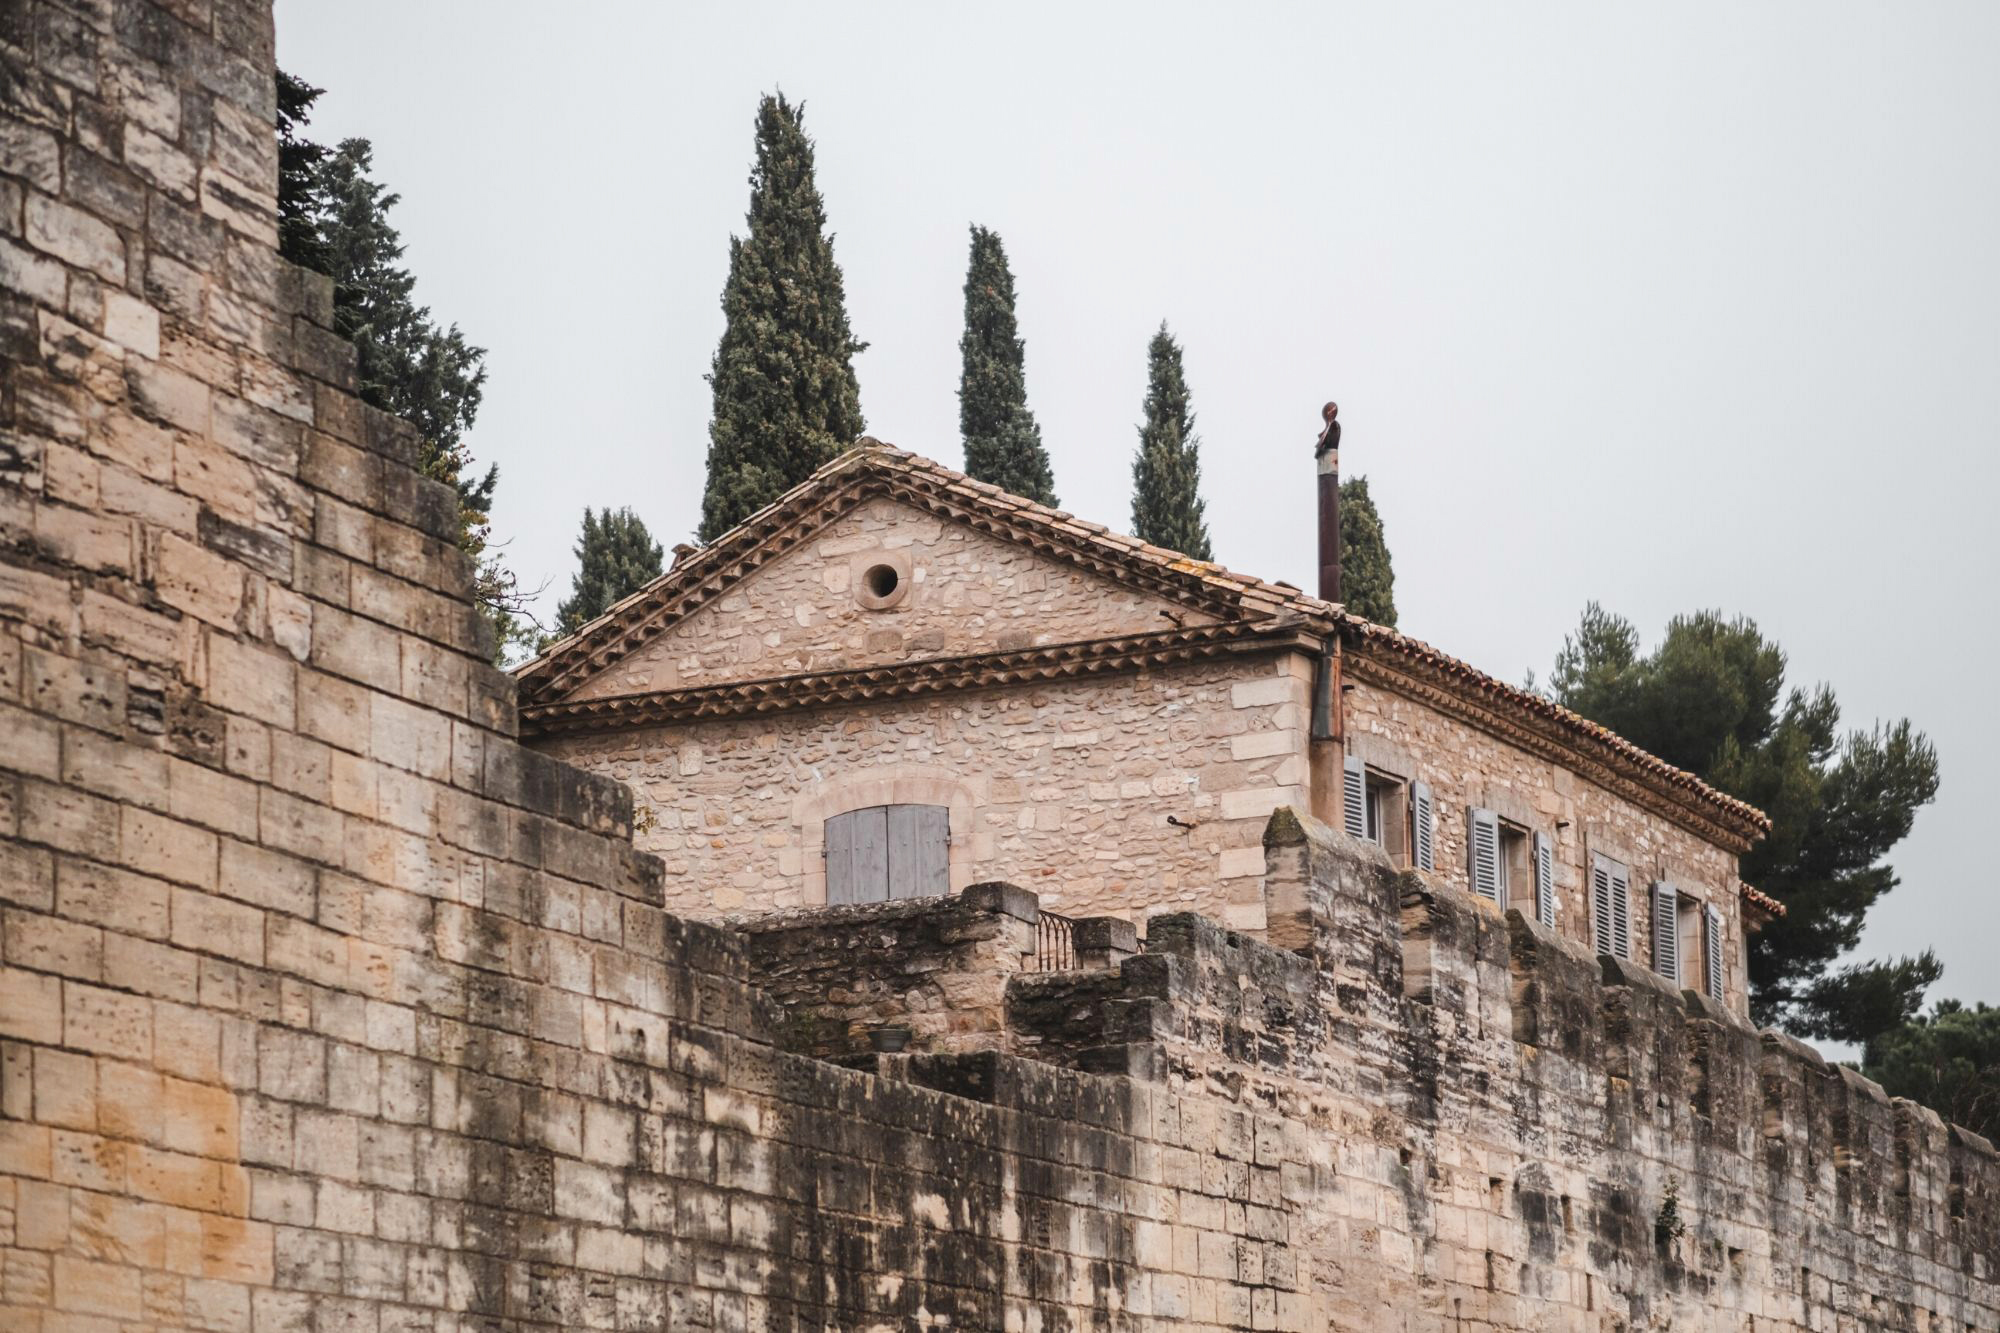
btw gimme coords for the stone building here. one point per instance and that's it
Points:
(329, 1006)
(899, 681)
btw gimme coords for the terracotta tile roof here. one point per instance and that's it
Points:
(872, 468)
(1470, 680)
(1760, 900)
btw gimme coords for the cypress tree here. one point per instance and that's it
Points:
(786, 399)
(1003, 445)
(615, 558)
(1367, 582)
(299, 160)
(1166, 472)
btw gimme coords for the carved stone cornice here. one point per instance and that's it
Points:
(929, 676)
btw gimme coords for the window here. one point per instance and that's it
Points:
(1610, 907)
(1517, 873)
(1383, 809)
(885, 852)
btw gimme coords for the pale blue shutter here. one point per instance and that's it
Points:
(1712, 929)
(1423, 816)
(1610, 908)
(1354, 797)
(1482, 852)
(1621, 911)
(919, 851)
(1666, 931)
(1545, 880)
(857, 856)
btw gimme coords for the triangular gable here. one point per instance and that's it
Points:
(872, 471)
(882, 584)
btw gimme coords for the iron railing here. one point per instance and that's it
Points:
(1055, 942)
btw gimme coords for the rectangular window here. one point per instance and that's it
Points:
(1610, 907)
(883, 852)
(1517, 870)
(1376, 806)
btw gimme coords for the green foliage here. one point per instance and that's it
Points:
(1367, 580)
(1949, 1061)
(615, 557)
(334, 217)
(1003, 445)
(1711, 698)
(299, 160)
(786, 400)
(1668, 1224)
(1166, 471)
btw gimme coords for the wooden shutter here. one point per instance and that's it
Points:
(919, 851)
(1712, 947)
(1621, 910)
(1354, 797)
(1423, 825)
(1600, 905)
(1666, 931)
(857, 856)
(1482, 852)
(1610, 907)
(1545, 880)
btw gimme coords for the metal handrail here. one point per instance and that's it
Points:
(1055, 942)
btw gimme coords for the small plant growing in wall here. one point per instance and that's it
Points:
(1668, 1225)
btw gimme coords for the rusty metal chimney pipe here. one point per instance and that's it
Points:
(1328, 454)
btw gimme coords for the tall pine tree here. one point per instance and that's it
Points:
(1711, 698)
(334, 217)
(1367, 581)
(786, 399)
(1166, 471)
(1003, 445)
(615, 558)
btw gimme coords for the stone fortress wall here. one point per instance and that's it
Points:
(324, 1005)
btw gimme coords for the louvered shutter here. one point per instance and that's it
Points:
(1712, 940)
(1600, 905)
(1482, 852)
(1545, 880)
(1666, 931)
(1621, 911)
(1354, 797)
(1423, 818)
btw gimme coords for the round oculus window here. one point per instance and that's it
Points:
(881, 581)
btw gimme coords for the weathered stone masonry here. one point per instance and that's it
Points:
(326, 1006)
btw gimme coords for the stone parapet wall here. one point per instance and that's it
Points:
(937, 967)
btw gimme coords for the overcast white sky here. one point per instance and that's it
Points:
(1671, 306)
